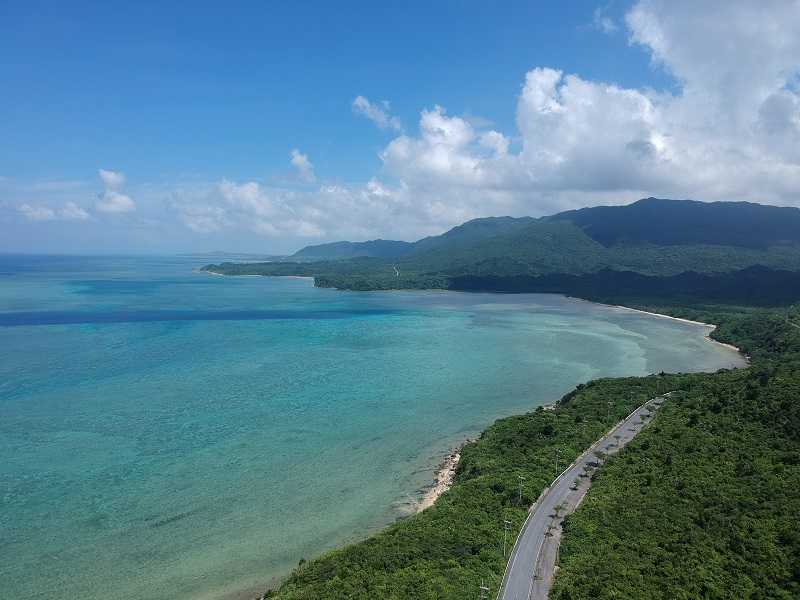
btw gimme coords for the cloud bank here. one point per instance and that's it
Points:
(729, 128)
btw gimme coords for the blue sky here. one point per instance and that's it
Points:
(195, 111)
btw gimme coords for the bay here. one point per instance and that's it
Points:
(166, 433)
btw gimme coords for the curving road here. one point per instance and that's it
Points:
(530, 569)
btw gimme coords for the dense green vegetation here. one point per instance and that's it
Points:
(671, 222)
(445, 551)
(339, 250)
(680, 248)
(705, 503)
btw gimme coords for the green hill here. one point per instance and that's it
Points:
(343, 250)
(650, 243)
(471, 232)
(687, 222)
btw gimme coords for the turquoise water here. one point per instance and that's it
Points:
(172, 434)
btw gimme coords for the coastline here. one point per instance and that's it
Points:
(252, 275)
(708, 337)
(443, 480)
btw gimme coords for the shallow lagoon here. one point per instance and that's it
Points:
(171, 434)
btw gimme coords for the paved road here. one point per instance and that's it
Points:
(529, 573)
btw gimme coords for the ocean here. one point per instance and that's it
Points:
(166, 433)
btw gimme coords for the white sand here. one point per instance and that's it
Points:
(443, 481)
(711, 326)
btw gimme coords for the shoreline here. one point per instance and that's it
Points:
(252, 275)
(443, 479)
(708, 337)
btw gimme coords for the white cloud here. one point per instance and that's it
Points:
(112, 179)
(305, 170)
(73, 212)
(380, 114)
(37, 213)
(730, 131)
(496, 142)
(271, 212)
(602, 22)
(111, 201)
(448, 152)
(204, 218)
(69, 212)
(729, 128)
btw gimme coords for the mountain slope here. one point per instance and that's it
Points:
(472, 232)
(342, 250)
(528, 247)
(676, 222)
(651, 241)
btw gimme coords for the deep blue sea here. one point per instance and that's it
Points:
(166, 433)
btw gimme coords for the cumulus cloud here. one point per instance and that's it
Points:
(380, 114)
(73, 212)
(204, 218)
(729, 128)
(112, 179)
(69, 212)
(447, 152)
(37, 213)
(112, 200)
(303, 166)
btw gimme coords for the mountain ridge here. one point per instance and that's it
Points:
(649, 220)
(653, 240)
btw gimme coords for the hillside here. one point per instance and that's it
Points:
(344, 250)
(472, 232)
(651, 244)
(461, 236)
(687, 222)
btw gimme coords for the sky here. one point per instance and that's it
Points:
(161, 127)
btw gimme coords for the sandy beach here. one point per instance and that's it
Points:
(443, 480)
(711, 326)
(253, 275)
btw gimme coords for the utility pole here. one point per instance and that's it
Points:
(558, 451)
(521, 479)
(608, 412)
(484, 591)
(506, 525)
